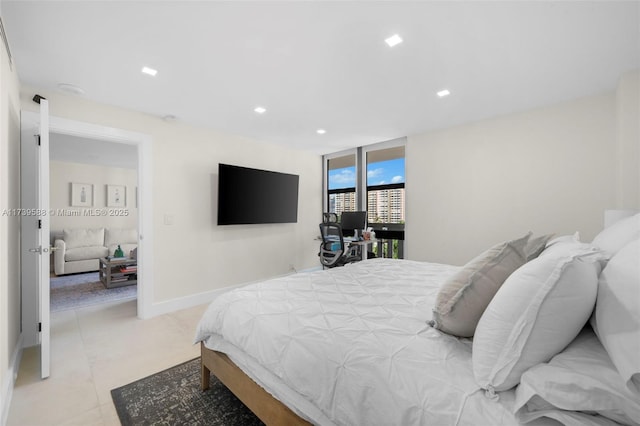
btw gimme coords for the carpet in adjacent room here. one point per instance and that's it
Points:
(79, 290)
(173, 397)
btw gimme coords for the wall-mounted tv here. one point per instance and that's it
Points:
(250, 196)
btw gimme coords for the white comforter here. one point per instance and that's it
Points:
(351, 346)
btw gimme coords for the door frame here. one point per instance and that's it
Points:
(145, 216)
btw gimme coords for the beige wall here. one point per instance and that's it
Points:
(193, 254)
(62, 174)
(628, 139)
(9, 226)
(549, 170)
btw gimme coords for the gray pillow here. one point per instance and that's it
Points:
(536, 245)
(463, 298)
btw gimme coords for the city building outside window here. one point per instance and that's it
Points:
(386, 196)
(342, 178)
(385, 186)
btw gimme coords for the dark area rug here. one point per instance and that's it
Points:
(78, 290)
(173, 397)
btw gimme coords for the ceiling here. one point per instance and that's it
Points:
(325, 65)
(74, 149)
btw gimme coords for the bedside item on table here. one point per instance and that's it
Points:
(368, 234)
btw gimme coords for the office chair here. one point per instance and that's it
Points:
(332, 249)
(329, 218)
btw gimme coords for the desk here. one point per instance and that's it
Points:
(363, 245)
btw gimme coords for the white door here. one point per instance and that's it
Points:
(35, 232)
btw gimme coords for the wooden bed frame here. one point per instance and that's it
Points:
(262, 403)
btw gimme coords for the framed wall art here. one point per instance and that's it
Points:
(116, 195)
(81, 194)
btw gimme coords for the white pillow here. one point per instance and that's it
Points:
(120, 236)
(567, 245)
(616, 236)
(573, 238)
(463, 298)
(616, 318)
(581, 378)
(83, 237)
(539, 309)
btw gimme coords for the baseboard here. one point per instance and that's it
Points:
(201, 298)
(10, 380)
(188, 301)
(204, 297)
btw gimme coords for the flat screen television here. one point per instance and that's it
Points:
(252, 196)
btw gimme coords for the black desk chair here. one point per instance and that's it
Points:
(329, 218)
(332, 249)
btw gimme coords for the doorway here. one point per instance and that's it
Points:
(142, 144)
(81, 172)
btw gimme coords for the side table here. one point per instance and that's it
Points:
(118, 271)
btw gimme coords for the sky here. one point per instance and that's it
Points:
(381, 173)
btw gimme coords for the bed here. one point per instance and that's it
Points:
(358, 346)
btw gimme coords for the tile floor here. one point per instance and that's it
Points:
(93, 350)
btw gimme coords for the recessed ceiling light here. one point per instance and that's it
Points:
(150, 71)
(393, 40)
(321, 131)
(444, 93)
(260, 110)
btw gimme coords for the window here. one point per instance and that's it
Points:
(341, 184)
(371, 178)
(385, 186)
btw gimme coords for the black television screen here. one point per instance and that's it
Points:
(249, 196)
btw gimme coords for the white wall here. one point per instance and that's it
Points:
(62, 174)
(549, 170)
(193, 255)
(10, 328)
